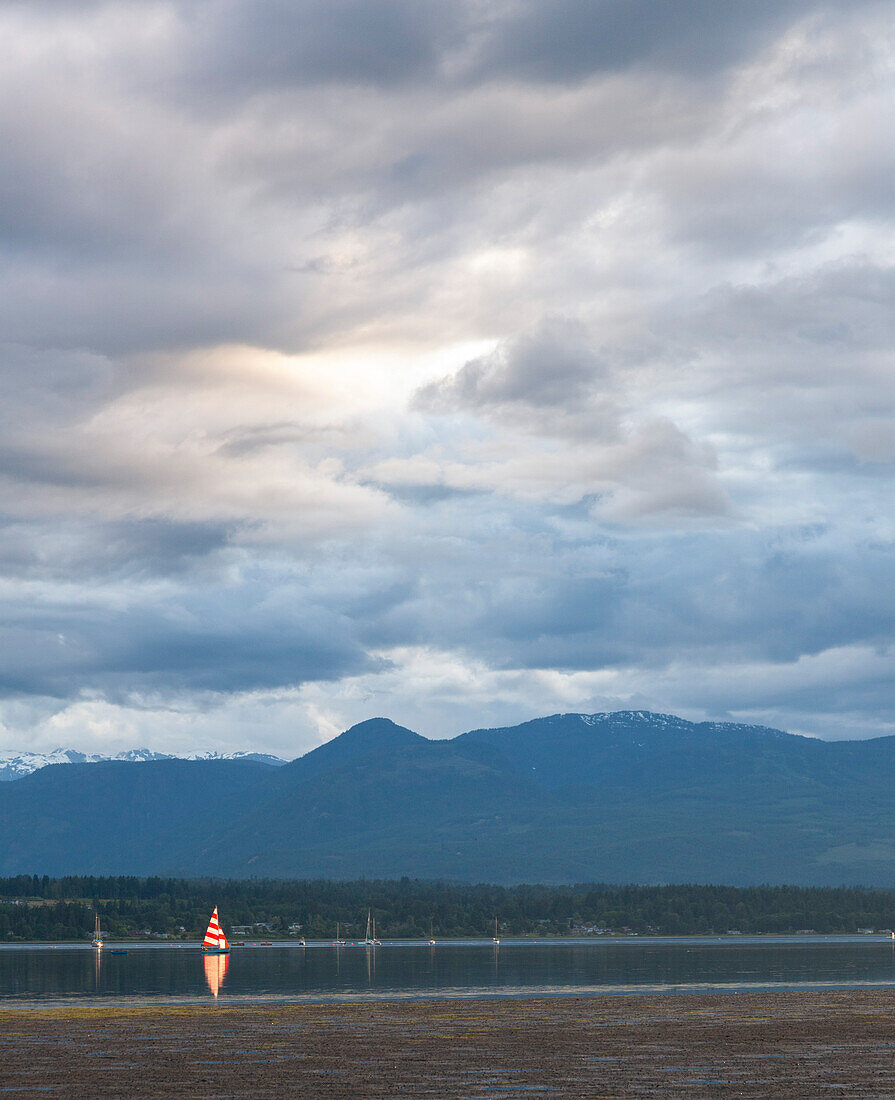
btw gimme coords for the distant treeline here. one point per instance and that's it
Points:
(41, 908)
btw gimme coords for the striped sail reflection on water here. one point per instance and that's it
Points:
(215, 965)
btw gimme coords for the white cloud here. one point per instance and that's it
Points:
(637, 272)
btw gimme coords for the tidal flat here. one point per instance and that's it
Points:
(789, 1044)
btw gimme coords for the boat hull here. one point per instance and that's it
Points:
(215, 950)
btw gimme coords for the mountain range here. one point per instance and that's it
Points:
(16, 765)
(623, 797)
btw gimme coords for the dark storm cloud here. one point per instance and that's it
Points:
(624, 602)
(613, 604)
(245, 48)
(43, 386)
(839, 702)
(39, 465)
(250, 47)
(575, 39)
(124, 550)
(218, 639)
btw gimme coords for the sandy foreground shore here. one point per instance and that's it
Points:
(793, 1044)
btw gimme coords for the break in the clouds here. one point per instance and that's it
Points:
(457, 361)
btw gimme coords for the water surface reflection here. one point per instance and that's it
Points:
(323, 971)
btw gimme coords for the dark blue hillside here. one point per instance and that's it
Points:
(625, 797)
(129, 816)
(426, 808)
(638, 752)
(376, 736)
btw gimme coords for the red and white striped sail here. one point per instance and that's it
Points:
(214, 936)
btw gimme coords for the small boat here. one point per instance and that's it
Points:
(301, 942)
(431, 935)
(215, 942)
(118, 951)
(337, 942)
(370, 936)
(495, 938)
(97, 935)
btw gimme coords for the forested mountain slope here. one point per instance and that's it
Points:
(623, 797)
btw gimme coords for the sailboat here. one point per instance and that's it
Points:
(495, 938)
(97, 935)
(431, 935)
(370, 937)
(338, 942)
(215, 942)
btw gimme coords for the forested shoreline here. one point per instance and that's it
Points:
(62, 909)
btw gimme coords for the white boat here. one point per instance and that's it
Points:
(97, 935)
(370, 936)
(495, 938)
(431, 935)
(215, 942)
(338, 942)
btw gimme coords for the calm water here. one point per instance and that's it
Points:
(45, 974)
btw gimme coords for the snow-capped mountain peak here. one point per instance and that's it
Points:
(16, 765)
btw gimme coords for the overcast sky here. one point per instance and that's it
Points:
(459, 361)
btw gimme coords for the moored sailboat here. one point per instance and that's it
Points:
(370, 936)
(97, 935)
(215, 942)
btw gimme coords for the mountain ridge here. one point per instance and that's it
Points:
(16, 765)
(613, 797)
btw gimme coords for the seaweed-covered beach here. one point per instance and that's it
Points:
(791, 1044)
